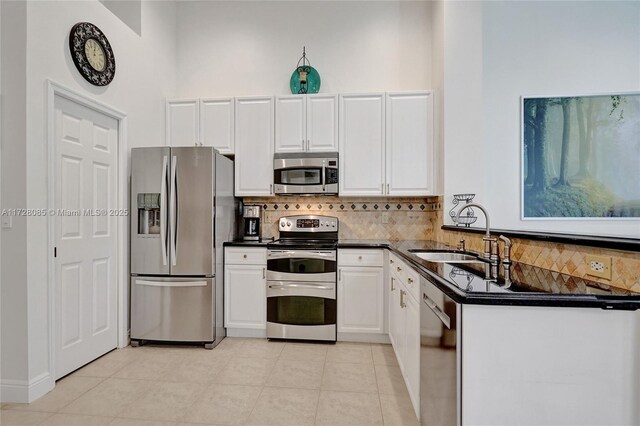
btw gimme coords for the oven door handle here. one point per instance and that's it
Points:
(287, 254)
(315, 287)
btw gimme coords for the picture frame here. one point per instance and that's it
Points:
(588, 170)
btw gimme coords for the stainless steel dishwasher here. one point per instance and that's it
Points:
(440, 392)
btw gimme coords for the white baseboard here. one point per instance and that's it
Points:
(364, 338)
(247, 332)
(26, 391)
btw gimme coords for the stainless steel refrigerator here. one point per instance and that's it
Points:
(182, 211)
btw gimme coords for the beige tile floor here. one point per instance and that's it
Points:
(240, 382)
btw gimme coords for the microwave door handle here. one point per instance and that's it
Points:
(323, 176)
(163, 210)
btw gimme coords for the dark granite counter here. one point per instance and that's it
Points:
(243, 243)
(525, 284)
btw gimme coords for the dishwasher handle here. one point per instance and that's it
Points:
(436, 310)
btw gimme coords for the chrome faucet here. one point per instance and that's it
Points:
(488, 239)
(506, 259)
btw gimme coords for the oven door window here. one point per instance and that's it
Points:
(301, 310)
(301, 265)
(299, 176)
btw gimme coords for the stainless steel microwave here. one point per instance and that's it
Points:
(306, 173)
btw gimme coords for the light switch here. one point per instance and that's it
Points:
(7, 223)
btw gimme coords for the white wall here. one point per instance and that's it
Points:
(145, 76)
(251, 48)
(13, 264)
(508, 49)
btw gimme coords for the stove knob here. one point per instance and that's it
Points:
(333, 224)
(282, 222)
(288, 223)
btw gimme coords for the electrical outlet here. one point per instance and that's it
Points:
(599, 266)
(385, 217)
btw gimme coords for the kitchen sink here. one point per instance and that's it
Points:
(445, 256)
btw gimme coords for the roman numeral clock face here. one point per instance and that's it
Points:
(92, 54)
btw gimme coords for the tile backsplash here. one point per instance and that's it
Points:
(360, 218)
(421, 218)
(568, 259)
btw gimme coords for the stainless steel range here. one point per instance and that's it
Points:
(301, 279)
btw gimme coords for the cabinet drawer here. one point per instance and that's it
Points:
(412, 283)
(364, 257)
(245, 256)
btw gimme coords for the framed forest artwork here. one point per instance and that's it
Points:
(581, 157)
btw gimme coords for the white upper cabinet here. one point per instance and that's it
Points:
(254, 131)
(306, 123)
(362, 144)
(217, 124)
(182, 122)
(291, 123)
(322, 123)
(409, 143)
(201, 122)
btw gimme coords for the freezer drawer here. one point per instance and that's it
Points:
(172, 309)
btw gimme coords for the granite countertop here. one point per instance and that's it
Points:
(247, 243)
(529, 285)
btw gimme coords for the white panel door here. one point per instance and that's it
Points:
(409, 143)
(362, 144)
(361, 300)
(245, 296)
(322, 122)
(217, 124)
(291, 123)
(254, 146)
(86, 152)
(412, 350)
(182, 122)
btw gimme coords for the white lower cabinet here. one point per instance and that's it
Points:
(361, 299)
(245, 291)
(404, 325)
(362, 313)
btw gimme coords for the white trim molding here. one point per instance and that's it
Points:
(26, 391)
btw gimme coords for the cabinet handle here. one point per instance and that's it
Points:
(308, 144)
(391, 261)
(359, 257)
(244, 256)
(392, 281)
(339, 274)
(402, 304)
(387, 189)
(410, 280)
(264, 273)
(398, 268)
(270, 188)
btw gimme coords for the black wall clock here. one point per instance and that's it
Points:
(92, 54)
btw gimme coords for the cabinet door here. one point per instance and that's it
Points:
(362, 144)
(412, 350)
(409, 143)
(397, 321)
(182, 122)
(216, 124)
(254, 146)
(291, 123)
(360, 300)
(322, 123)
(245, 296)
(393, 308)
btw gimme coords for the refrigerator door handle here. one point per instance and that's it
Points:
(173, 212)
(163, 210)
(152, 283)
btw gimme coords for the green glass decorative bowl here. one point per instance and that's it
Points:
(313, 81)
